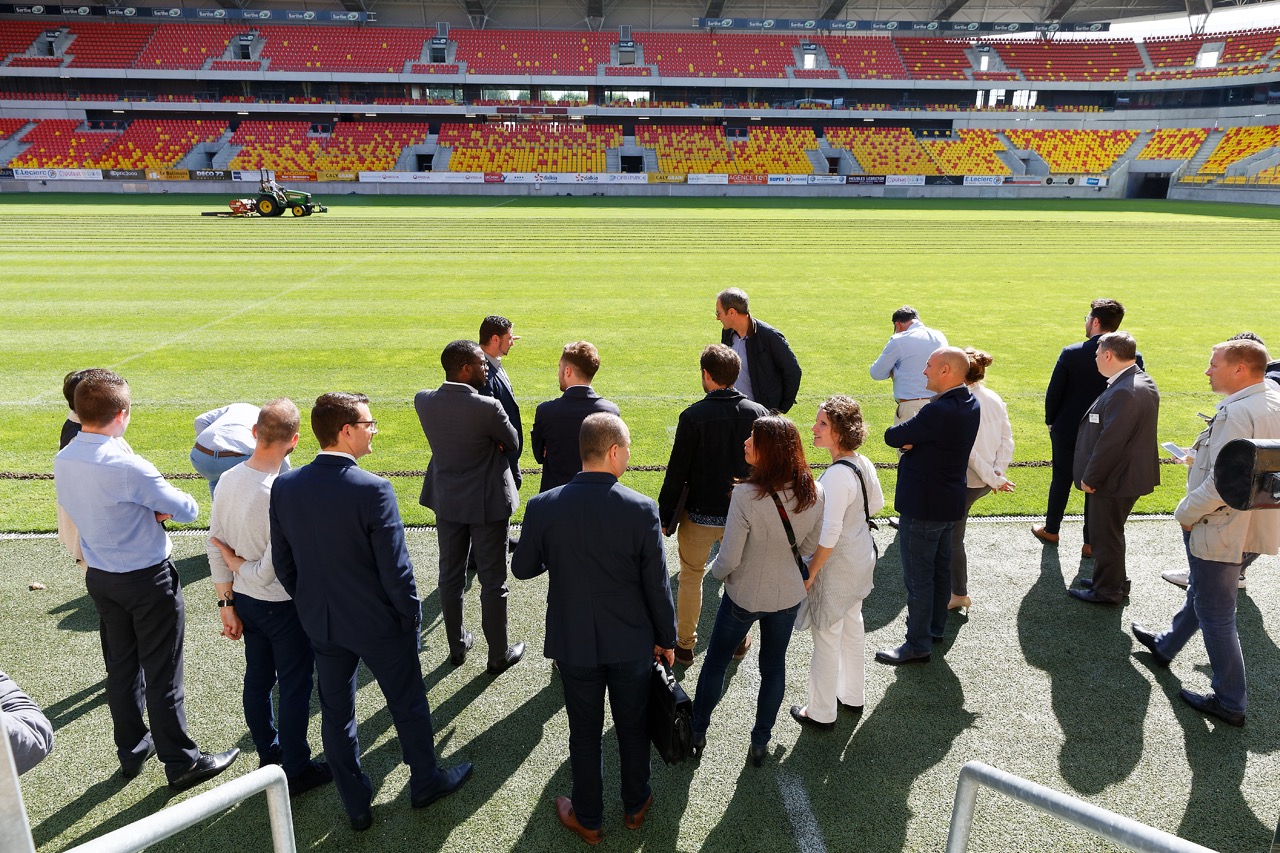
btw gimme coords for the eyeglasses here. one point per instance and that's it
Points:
(373, 425)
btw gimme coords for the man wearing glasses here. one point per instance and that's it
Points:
(338, 547)
(470, 488)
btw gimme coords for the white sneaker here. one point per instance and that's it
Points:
(1177, 578)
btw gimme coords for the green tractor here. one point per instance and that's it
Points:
(274, 200)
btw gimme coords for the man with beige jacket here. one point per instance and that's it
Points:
(1220, 539)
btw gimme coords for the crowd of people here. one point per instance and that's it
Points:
(313, 575)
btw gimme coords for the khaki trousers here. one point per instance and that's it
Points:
(694, 541)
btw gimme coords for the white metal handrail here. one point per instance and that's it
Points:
(1119, 829)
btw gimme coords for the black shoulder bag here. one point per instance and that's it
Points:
(866, 505)
(791, 535)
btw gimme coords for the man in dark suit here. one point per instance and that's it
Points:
(470, 487)
(609, 614)
(1116, 461)
(930, 498)
(1073, 387)
(770, 373)
(557, 423)
(338, 548)
(496, 340)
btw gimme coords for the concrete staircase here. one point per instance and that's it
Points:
(1205, 152)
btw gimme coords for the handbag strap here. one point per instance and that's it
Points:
(791, 535)
(866, 506)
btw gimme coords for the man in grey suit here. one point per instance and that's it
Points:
(470, 488)
(1116, 462)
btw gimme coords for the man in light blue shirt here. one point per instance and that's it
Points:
(904, 358)
(119, 502)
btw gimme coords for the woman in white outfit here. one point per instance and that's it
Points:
(840, 570)
(992, 452)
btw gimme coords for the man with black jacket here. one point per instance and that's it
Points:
(706, 457)
(770, 374)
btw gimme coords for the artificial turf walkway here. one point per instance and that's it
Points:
(1032, 682)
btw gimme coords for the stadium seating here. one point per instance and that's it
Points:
(1072, 151)
(1239, 143)
(934, 58)
(719, 55)
(10, 126)
(1250, 46)
(37, 61)
(1174, 52)
(107, 45)
(280, 145)
(157, 144)
(884, 150)
(817, 74)
(380, 50)
(774, 151)
(18, 36)
(518, 52)
(433, 68)
(545, 147)
(863, 57)
(996, 76)
(57, 143)
(236, 65)
(968, 152)
(189, 46)
(1092, 60)
(1174, 143)
(628, 71)
(688, 149)
(368, 145)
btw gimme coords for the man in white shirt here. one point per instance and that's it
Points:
(224, 439)
(904, 358)
(254, 606)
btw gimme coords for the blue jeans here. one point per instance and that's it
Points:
(584, 689)
(926, 572)
(1210, 607)
(732, 625)
(276, 647)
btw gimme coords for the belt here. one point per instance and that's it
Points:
(218, 454)
(912, 400)
(167, 561)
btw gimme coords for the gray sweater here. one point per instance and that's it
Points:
(240, 518)
(29, 731)
(755, 560)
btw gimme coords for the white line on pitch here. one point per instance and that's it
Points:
(804, 826)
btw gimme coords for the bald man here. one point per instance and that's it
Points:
(930, 497)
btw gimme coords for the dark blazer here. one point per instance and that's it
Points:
(337, 544)
(498, 386)
(772, 366)
(556, 425)
(1074, 385)
(1116, 447)
(609, 600)
(1273, 371)
(932, 475)
(707, 454)
(468, 478)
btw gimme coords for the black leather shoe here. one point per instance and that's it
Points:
(314, 775)
(698, 746)
(845, 706)
(900, 655)
(133, 768)
(513, 543)
(798, 714)
(1091, 597)
(362, 821)
(205, 768)
(1207, 703)
(937, 641)
(758, 753)
(1126, 587)
(450, 781)
(1148, 639)
(459, 658)
(512, 657)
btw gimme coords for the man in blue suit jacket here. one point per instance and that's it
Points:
(496, 339)
(557, 423)
(930, 498)
(609, 614)
(338, 547)
(1073, 387)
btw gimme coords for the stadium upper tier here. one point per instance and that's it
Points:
(1236, 155)
(302, 50)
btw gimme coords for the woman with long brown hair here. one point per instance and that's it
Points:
(773, 514)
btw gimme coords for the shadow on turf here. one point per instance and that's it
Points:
(1097, 693)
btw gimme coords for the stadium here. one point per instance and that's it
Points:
(600, 171)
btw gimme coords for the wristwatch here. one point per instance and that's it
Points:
(227, 602)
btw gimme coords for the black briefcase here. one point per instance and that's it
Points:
(670, 715)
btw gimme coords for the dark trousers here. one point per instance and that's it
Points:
(1063, 443)
(488, 544)
(276, 648)
(960, 557)
(395, 665)
(584, 689)
(1107, 516)
(731, 627)
(925, 548)
(143, 620)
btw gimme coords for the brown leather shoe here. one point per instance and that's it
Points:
(684, 656)
(1043, 535)
(1086, 550)
(564, 810)
(741, 651)
(635, 821)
